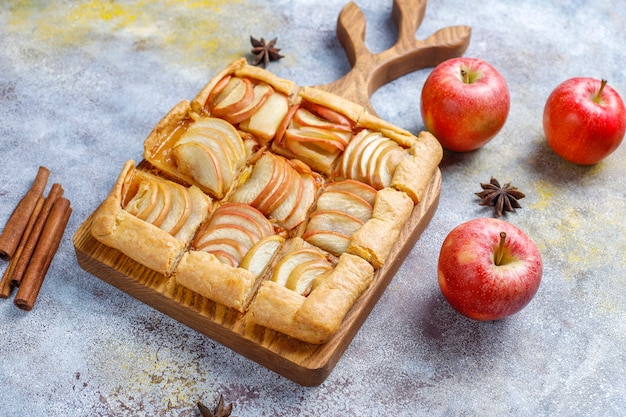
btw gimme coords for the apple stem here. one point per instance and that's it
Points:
(597, 98)
(500, 251)
(465, 76)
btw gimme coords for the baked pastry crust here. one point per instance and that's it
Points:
(425, 155)
(203, 273)
(317, 317)
(139, 240)
(378, 235)
(284, 182)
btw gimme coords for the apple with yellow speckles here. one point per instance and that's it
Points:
(489, 269)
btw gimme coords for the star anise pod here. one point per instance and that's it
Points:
(220, 411)
(264, 52)
(501, 198)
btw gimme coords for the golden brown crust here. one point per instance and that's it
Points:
(204, 274)
(334, 102)
(316, 318)
(413, 174)
(286, 87)
(402, 137)
(374, 241)
(163, 130)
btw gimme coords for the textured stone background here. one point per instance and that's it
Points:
(81, 85)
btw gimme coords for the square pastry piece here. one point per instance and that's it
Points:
(281, 202)
(149, 218)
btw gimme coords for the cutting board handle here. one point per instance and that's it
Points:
(371, 71)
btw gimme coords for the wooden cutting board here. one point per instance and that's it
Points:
(301, 362)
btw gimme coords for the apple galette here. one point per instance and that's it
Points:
(276, 200)
(150, 219)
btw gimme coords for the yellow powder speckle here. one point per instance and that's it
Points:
(183, 30)
(545, 195)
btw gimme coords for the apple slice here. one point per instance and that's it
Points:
(204, 133)
(180, 211)
(351, 153)
(165, 204)
(363, 190)
(265, 122)
(333, 116)
(144, 201)
(286, 265)
(304, 117)
(232, 247)
(290, 184)
(231, 134)
(236, 95)
(222, 231)
(280, 187)
(346, 202)
(367, 152)
(322, 138)
(284, 124)
(259, 180)
(245, 216)
(261, 93)
(386, 165)
(328, 240)
(300, 212)
(215, 143)
(334, 220)
(201, 165)
(303, 276)
(290, 203)
(318, 158)
(261, 253)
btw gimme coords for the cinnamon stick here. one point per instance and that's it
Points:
(5, 284)
(46, 248)
(14, 228)
(55, 193)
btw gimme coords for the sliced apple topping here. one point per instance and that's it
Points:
(358, 188)
(329, 240)
(371, 157)
(291, 272)
(304, 204)
(255, 106)
(341, 210)
(261, 254)
(232, 231)
(306, 276)
(334, 220)
(143, 202)
(315, 134)
(345, 202)
(210, 153)
(271, 186)
(166, 205)
(266, 120)
(234, 97)
(180, 211)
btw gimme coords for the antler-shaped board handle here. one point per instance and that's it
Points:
(371, 71)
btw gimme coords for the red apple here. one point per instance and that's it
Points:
(584, 120)
(488, 269)
(465, 102)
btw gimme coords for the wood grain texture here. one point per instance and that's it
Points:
(303, 363)
(371, 71)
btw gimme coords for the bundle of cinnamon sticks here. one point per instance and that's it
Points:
(31, 238)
